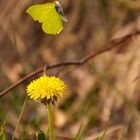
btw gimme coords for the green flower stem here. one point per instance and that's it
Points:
(19, 118)
(50, 123)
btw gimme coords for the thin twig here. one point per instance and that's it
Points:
(136, 78)
(107, 47)
(101, 133)
(19, 118)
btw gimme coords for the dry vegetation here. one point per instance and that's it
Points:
(103, 94)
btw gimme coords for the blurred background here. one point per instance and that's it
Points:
(103, 94)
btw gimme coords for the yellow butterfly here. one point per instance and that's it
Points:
(50, 15)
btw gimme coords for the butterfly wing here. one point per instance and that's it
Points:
(53, 23)
(47, 15)
(39, 11)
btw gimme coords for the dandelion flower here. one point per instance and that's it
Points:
(46, 88)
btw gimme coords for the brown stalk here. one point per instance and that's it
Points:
(107, 47)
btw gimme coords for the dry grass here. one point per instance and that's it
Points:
(102, 94)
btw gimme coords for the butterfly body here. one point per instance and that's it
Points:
(50, 15)
(59, 9)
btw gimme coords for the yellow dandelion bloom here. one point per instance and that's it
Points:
(46, 87)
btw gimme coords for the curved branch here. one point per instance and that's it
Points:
(107, 47)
